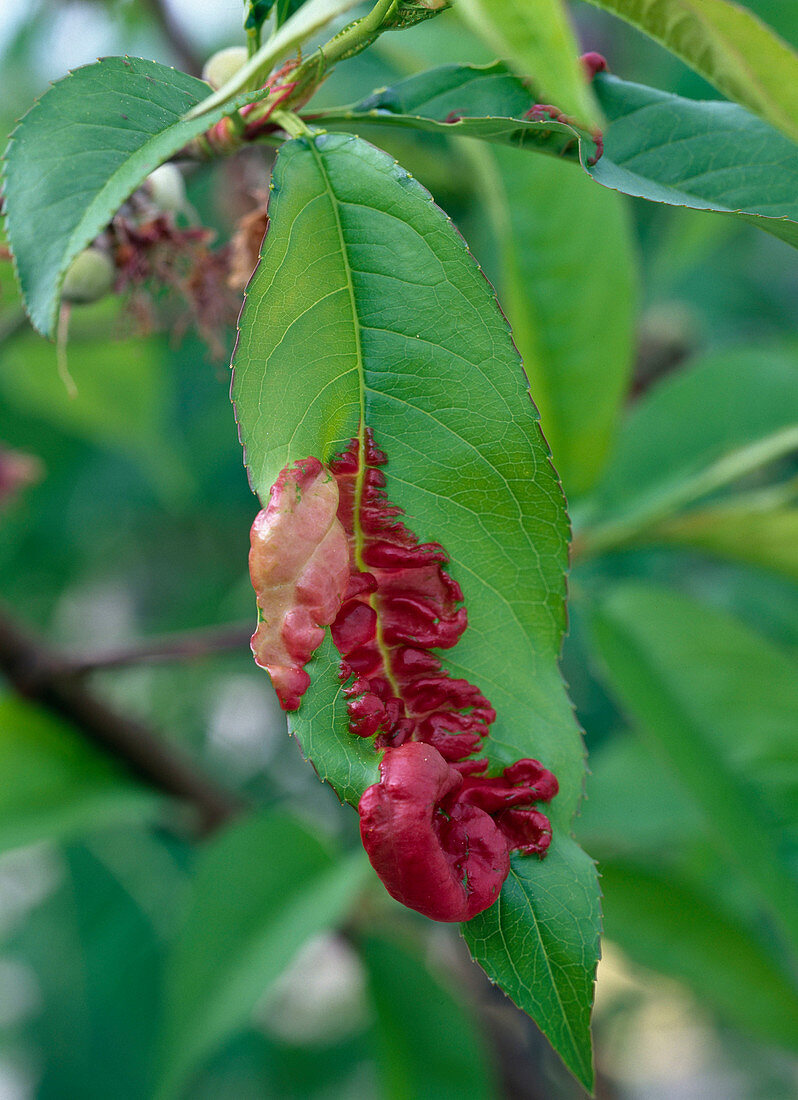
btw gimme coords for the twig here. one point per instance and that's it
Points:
(39, 673)
(185, 646)
(174, 34)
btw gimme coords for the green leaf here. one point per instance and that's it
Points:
(755, 528)
(538, 942)
(660, 147)
(309, 17)
(55, 785)
(701, 154)
(569, 290)
(718, 706)
(481, 101)
(96, 958)
(262, 888)
(659, 901)
(367, 304)
(80, 151)
(663, 922)
(536, 37)
(727, 45)
(321, 727)
(427, 1042)
(717, 419)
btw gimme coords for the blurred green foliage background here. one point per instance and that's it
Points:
(128, 953)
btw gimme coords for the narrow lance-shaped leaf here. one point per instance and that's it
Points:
(729, 46)
(367, 312)
(697, 431)
(535, 36)
(674, 669)
(568, 286)
(758, 528)
(262, 888)
(701, 154)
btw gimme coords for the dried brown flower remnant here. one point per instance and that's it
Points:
(245, 247)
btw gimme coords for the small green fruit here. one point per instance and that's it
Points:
(167, 189)
(223, 65)
(89, 277)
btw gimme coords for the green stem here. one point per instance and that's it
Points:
(357, 35)
(294, 32)
(291, 123)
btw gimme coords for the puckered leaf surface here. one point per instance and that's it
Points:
(702, 154)
(367, 304)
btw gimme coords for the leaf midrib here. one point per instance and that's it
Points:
(545, 954)
(362, 467)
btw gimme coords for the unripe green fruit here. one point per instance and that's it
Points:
(223, 65)
(167, 189)
(89, 277)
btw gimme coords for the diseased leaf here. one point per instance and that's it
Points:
(262, 888)
(657, 146)
(79, 152)
(568, 286)
(726, 44)
(482, 101)
(535, 36)
(427, 1042)
(363, 281)
(717, 706)
(55, 785)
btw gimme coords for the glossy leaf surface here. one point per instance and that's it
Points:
(538, 942)
(727, 45)
(80, 151)
(657, 146)
(367, 304)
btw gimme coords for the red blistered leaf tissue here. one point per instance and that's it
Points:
(331, 549)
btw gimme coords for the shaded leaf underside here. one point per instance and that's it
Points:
(657, 146)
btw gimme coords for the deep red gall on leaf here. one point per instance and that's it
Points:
(330, 548)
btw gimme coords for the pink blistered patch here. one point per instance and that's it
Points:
(299, 564)
(437, 830)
